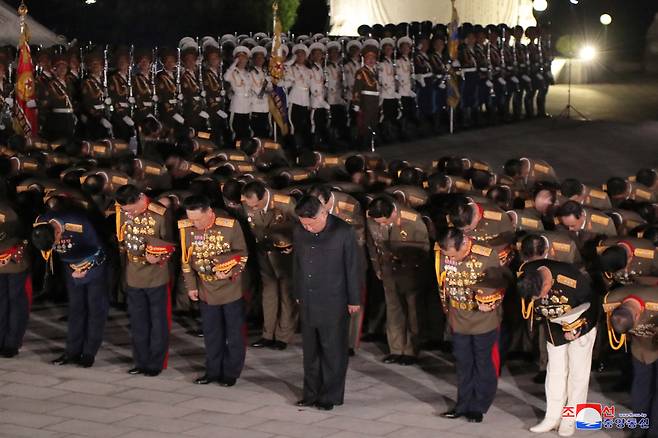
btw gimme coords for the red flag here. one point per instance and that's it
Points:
(26, 109)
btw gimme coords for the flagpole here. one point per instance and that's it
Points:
(452, 118)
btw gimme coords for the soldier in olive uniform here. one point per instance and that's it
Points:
(365, 95)
(119, 85)
(193, 101)
(143, 86)
(94, 105)
(269, 213)
(215, 94)
(59, 117)
(587, 226)
(144, 230)
(628, 260)
(168, 99)
(214, 255)
(398, 245)
(472, 283)
(480, 221)
(593, 198)
(632, 313)
(15, 283)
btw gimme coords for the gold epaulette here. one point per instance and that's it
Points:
(530, 223)
(224, 222)
(184, 223)
(120, 180)
(481, 250)
(408, 215)
(601, 220)
(492, 215)
(157, 208)
(74, 228)
(342, 205)
(567, 281)
(282, 199)
(199, 170)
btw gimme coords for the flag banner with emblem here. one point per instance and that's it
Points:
(278, 101)
(26, 111)
(453, 49)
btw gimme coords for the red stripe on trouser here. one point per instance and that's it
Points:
(28, 292)
(166, 359)
(495, 358)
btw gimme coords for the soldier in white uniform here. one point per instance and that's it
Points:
(335, 97)
(389, 100)
(260, 88)
(298, 79)
(403, 71)
(239, 78)
(319, 105)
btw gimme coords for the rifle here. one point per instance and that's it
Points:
(107, 102)
(179, 95)
(131, 97)
(154, 66)
(202, 91)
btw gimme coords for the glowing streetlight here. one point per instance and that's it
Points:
(605, 19)
(540, 5)
(90, 2)
(587, 53)
(574, 2)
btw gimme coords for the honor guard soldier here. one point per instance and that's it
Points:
(167, 94)
(562, 296)
(318, 89)
(628, 260)
(403, 70)
(441, 76)
(398, 245)
(213, 85)
(145, 233)
(472, 284)
(15, 283)
(214, 255)
(525, 172)
(632, 314)
(269, 213)
(495, 49)
(536, 70)
(366, 96)
(485, 72)
(75, 72)
(60, 118)
(238, 77)
(119, 89)
(351, 64)
(42, 79)
(470, 75)
(525, 94)
(82, 254)
(144, 86)
(509, 68)
(193, 99)
(95, 107)
(348, 209)
(424, 78)
(389, 100)
(298, 78)
(260, 91)
(335, 93)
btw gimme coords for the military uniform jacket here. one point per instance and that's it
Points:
(403, 72)
(143, 92)
(597, 199)
(241, 84)
(260, 90)
(366, 88)
(411, 196)
(318, 87)
(335, 84)
(642, 259)
(92, 97)
(641, 193)
(527, 219)
(59, 96)
(400, 249)
(596, 224)
(41, 88)
(644, 341)
(212, 84)
(386, 75)
(561, 247)
(203, 251)
(191, 93)
(494, 224)
(479, 276)
(118, 89)
(166, 88)
(538, 170)
(422, 69)
(136, 234)
(350, 66)
(12, 242)
(570, 289)
(626, 221)
(298, 80)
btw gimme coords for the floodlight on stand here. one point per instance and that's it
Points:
(605, 19)
(540, 5)
(587, 53)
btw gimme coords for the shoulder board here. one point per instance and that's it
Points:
(529, 203)
(345, 206)
(2, 218)
(74, 228)
(639, 193)
(567, 281)
(236, 157)
(116, 179)
(331, 160)
(203, 135)
(199, 170)
(480, 166)
(416, 199)
(602, 220)
(492, 215)
(245, 168)
(152, 170)
(426, 184)
(644, 253)
(462, 185)
(224, 222)
(481, 250)
(598, 194)
(184, 223)
(562, 247)
(99, 149)
(271, 145)
(541, 168)
(408, 215)
(157, 208)
(299, 176)
(530, 223)
(282, 199)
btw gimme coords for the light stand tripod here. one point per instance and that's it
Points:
(566, 112)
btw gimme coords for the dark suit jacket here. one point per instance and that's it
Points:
(326, 272)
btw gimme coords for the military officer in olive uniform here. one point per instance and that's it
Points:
(214, 255)
(15, 283)
(398, 245)
(59, 118)
(119, 85)
(587, 226)
(268, 214)
(628, 260)
(144, 230)
(365, 95)
(472, 283)
(94, 105)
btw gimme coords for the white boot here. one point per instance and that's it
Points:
(567, 427)
(546, 425)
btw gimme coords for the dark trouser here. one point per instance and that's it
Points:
(325, 361)
(149, 326)
(260, 123)
(240, 125)
(409, 119)
(95, 129)
(14, 309)
(477, 370)
(320, 125)
(219, 126)
(367, 120)
(390, 124)
(542, 89)
(643, 393)
(301, 124)
(339, 129)
(514, 95)
(224, 339)
(469, 96)
(88, 308)
(59, 126)
(529, 92)
(121, 129)
(501, 101)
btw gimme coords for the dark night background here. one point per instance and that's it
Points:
(166, 21)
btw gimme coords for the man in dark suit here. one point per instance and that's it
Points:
(327, 288)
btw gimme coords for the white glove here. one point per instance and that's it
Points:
(10, 102)
(131, 100)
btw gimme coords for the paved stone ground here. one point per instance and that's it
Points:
(40, 400)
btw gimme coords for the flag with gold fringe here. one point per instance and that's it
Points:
(453, 49)
(25, 116)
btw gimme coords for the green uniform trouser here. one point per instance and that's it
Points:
(400, 293)
(279, 308)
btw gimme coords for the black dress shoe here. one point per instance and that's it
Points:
(279, 345)
(392, 358)
(324, 406)
(227, 382)
(204, 380)
(407, 360)
(86, 361)
(152, 373)
(351, 352)
(451, 414)
(65, 359)
(262, 343)
(540, 378)
(8, 353)
(135, 371)
(474, 417)
(303, 403)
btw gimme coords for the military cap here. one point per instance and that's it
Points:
(301, 38)
(364, 30)
(333, 45)
(260, 35)
(354, 43)
(249, 42)
(300, 47)
(318, 46)
(404, 40)
(142, 53)
(241, 49)
(370, 46)
(259, 49)
(386, 41)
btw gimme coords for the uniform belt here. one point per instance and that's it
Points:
(207, 278)
(484, 69)
(62, 111)
(147, 104)
(123, 105)
(370, 93)
(469, 69)
(99, 106)
(137, 259)
(461, 305)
